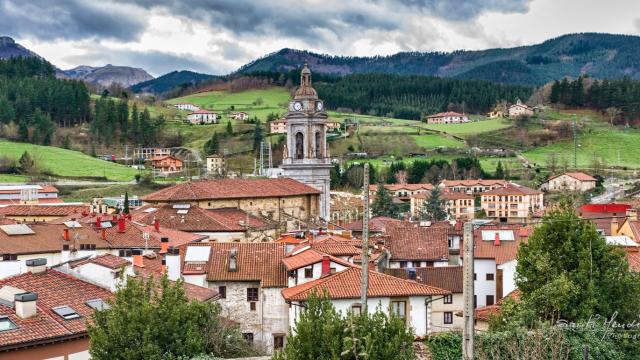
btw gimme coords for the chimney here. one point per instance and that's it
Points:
(326, 265)
(164, 245)
(65, 253)
(137, 258)
(233, 260)
(121, 225)
(36, 266)
(156, 224)
(114, 218)
(103, 233)
(26, 304)
(172, 261)
(98, 222)
(496, 242)
(65, 234)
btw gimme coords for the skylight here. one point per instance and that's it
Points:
(73, 224)
(6, 324)
(17, 229)
(66, 312)
(182, 206)
(97, 304)
(106, 224)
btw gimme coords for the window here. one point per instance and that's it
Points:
(6, 324)
(403, 264)
(475, 276)
(222, 291)
(252, 294)
(448, 299)
(475, 301)
(65, 312)
(9, 257)
(252, 306)
(448, 317)
(97, 304)
(308, 272)
(356, 309)
(399, 308)
(489, 300)
(489, 277)
(278, 341)
(248, 337)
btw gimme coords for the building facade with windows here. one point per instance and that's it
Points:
(512, 203)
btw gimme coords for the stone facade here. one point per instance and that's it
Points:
(306, 157)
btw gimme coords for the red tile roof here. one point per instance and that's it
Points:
(108, 261)
(346, 285)
(200, 220)
(446, 195)
(53, 289)
(505, 252)
(38, 201)
(376, 224)
(259, 262)
(443, 114)
(309, 257)
(576, 175)
(48, 237)
(473, 182)
(42, 210)
(512, 189)
(231, 189)
(202, 111)
(408, 241)
(443, 277)
(337, 245)
(408, 187)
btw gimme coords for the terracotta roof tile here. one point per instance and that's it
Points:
(231, 189)
(109, 261)
(346, 285)
(42, 210)
(376, 224)
(473, 182)
(53, 289)
(576, 175)
(48, 237)
(512, 189)
(408, 187)
(309, 257)
(505, 252)
(443, 277)
(408, 241)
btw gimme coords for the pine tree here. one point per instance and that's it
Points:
(212, 146)
(26, 163)
(257, 136)
(229, 128)
(499, 171)
(383, 204)
(433, 207)
(126, 203)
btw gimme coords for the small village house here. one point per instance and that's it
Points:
(570, 181)
(240, 116)
(167, 164)
(28, 194)
(401, 193)
(186, 106)
(278, 126)
(519, 109)
(150, 152)
(449, 117)
(216, 165)
(471, 186)
(202, 117)
(512, 203)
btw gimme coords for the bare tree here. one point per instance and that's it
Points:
(612, 114)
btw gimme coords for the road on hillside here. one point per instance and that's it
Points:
(614, 189)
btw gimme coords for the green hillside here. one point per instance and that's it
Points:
(68, 163)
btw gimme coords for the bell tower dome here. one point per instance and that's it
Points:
(306, 156)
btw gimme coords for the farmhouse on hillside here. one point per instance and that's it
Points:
(570, 181)
(186, 106)
(167, 164)
(520, 109)
(216, 164)
(240, 116)
(449, 117)
(203, 117)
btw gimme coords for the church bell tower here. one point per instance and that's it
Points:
(306, 156)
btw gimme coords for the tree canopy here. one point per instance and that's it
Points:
(383, 203)
(433, 207)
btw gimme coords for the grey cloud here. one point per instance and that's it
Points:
(69, 20)
(467, 9)
(155, 62)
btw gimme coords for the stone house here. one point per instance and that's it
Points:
(520, 109)
(282, 200)
(570, 181)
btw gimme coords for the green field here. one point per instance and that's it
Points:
(68, 163)
(13, 178)
(470, 128)
(430, 141)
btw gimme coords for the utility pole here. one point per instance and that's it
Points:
(364, 281)
(468, 291)
(575, 144)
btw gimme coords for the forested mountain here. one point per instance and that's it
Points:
(171, 81)
(10, 49)
(599, 55)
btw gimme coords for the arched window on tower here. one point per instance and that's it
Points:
(299, 146)
(318, 145)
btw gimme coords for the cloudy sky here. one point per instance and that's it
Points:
(218, 36)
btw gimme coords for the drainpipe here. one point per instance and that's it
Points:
(427, 303)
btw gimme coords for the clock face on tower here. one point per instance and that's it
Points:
(319, 105)
(297, 106)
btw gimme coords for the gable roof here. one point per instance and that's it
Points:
(506, 251)
(47, 238)
(444, 277)
(259, 262)
(576, 175)
(42, 210)
(337, 246)
(106, 260)
(53, 289)
(346, 285)
(408, 241)
(473, 182)
(231, 189)
(512, 189)
(443, 114)
(376, 224)
(409, 187)
(309, 257)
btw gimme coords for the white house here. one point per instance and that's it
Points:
(449, 117)
(570, 181)
(520, 109)
(203, 117)
(186, 106)
(240, 115)
(408, 299)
